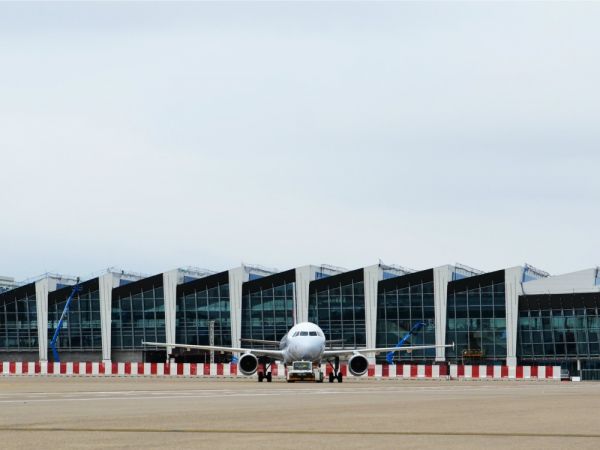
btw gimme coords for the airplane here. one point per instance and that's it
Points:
(304, 342)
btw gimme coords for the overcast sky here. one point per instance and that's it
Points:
(152, 136)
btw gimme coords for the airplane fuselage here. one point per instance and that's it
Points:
(304, 342)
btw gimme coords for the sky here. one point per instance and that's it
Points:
(150, 136)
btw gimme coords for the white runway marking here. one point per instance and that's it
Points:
(116, 395)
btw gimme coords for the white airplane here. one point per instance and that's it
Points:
(304, 342)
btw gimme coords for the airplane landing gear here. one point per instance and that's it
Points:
(336, 374)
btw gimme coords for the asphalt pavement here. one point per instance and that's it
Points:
(82, 413)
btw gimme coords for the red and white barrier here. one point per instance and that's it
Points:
(134, 369)
(398, 371)
(479, 372)
(126, 369)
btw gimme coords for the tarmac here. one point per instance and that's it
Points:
(84, 413)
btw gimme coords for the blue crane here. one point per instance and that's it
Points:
(75, 290)
(416, 327)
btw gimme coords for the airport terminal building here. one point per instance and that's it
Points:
(518, 315)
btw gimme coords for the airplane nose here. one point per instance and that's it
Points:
(311, 349)
(306, 350)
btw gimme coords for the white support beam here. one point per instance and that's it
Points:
(170, 281)
(237, 277)
(372, 275)
(42, 287)
(441, 277)
(304, 275)
(106, 284)
(513, 287)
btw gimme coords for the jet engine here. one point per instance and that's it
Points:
(358, 365)
(247, 364)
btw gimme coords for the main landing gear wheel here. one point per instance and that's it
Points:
(331, 377)
(339, 377)
(269, 377)
(261, 377)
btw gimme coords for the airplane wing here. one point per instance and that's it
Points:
(354, 351)
(277, 354)
(260, 341)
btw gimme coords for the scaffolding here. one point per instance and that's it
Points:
(62, 279)
(394, 268)
(534, 271)
(195, 272)
(467, 270)
(7, 283)
(121, 273)
(260, 270)
(331, 269)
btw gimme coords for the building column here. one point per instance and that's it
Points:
(371, 277)
(513, 288)
(42, 287)
(304, 275)
(106, 284)
(170, 280)
(237, 277)
(441, 277)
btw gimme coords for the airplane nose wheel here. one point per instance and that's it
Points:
(336, 374)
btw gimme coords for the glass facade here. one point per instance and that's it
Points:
(81, 326)
(476, 319)
(559, 326)
(200, 302)
(337, 305)
(402, 302)
(18, 319)
(268, 306)
(590, 369)
(138, 314)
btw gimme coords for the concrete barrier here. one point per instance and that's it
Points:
(219, 370)
(482, 372)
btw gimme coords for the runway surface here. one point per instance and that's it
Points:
(190, 413)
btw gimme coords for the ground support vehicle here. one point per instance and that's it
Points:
(304, 371)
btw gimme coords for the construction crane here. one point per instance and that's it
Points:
(76, 289)
(416, 327)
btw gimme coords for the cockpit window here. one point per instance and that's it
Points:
(304, 333)
(313, 333)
